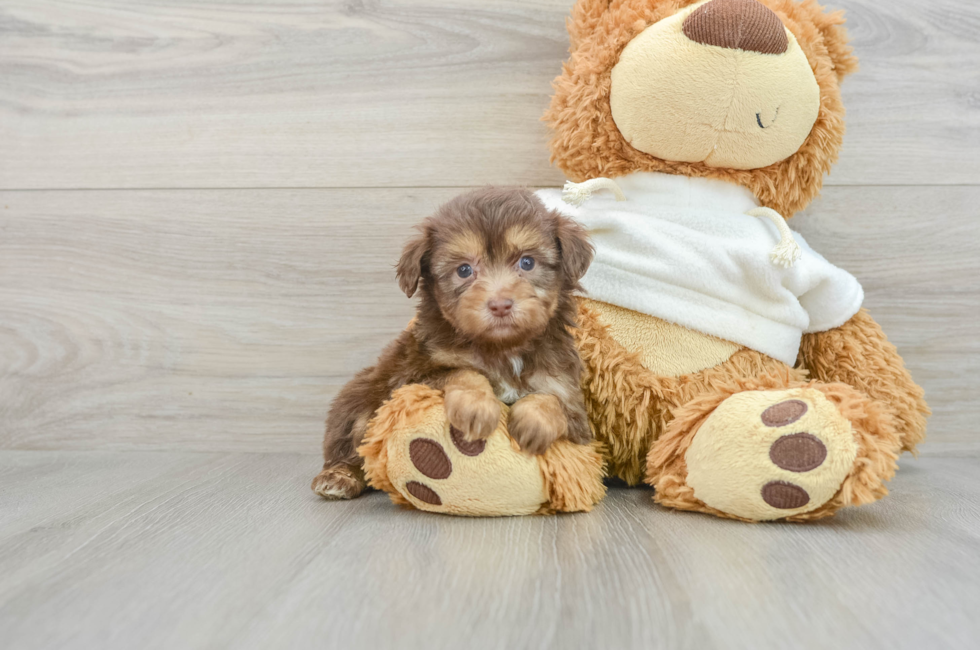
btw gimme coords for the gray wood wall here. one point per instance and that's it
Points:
(201, 202)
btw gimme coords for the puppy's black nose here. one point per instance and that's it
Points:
(738, 25)
(500, 308)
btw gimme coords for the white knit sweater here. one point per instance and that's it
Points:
(683, 249)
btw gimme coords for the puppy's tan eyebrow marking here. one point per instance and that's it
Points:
(523, 238)
(467, 245)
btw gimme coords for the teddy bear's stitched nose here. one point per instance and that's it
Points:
(738, 25)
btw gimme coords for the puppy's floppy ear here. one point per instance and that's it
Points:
(575, 248)
(409, 269)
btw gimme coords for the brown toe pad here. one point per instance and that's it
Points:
(798, 452)
(783, 495)
(788, 412)
(466, 447)
(423, 493)
(429, 458)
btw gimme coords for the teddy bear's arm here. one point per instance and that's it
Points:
(859, 354)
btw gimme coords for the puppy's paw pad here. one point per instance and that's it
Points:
(334, 484)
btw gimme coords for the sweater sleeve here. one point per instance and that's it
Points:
(829, 294)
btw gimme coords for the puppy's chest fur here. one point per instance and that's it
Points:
(510, 375)
(510, 379)
(508, 383)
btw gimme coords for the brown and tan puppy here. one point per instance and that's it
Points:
(496, 271)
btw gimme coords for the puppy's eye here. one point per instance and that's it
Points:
(527, 263)
(464, 270)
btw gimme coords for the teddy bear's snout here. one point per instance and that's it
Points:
(738, 25)
(748, 69)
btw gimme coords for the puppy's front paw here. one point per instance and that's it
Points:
(537, 421)
(339, 482)
(473, 412)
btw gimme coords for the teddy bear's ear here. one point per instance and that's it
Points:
(585, 16)
(831, 26)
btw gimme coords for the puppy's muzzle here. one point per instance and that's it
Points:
(500, 308)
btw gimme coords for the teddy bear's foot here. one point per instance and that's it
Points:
(770, 454)
(798, 453)
(413, 453)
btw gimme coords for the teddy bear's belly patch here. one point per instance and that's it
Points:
(664, 348)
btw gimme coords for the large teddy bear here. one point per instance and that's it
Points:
(728, 365)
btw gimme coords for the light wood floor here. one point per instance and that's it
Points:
(200, 206)
(104, 549)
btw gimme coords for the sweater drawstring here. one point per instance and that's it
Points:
(578, 193)
(787, 251)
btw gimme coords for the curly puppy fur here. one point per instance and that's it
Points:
(496, 271)
(586, 142)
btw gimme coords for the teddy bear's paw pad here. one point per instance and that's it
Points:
(435, 468)
(466, 447)
(423, 493)
(770, 454)
(785, 496)
(788, 412)
(798, 452)
(429, 458)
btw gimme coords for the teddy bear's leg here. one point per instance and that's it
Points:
(411, 452)
(859, 354)
(758, 450)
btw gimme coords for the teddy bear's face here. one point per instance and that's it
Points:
(722, 82)
(744, 91)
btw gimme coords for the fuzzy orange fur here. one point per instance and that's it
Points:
(873, 427)
(647, 422)
(586, 142)
(644, 423)
(405, 407)
(630, 407)
(572, 472)
(859, 354)
(572, 477)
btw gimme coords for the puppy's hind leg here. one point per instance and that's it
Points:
(340, 482)
(343, 475)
